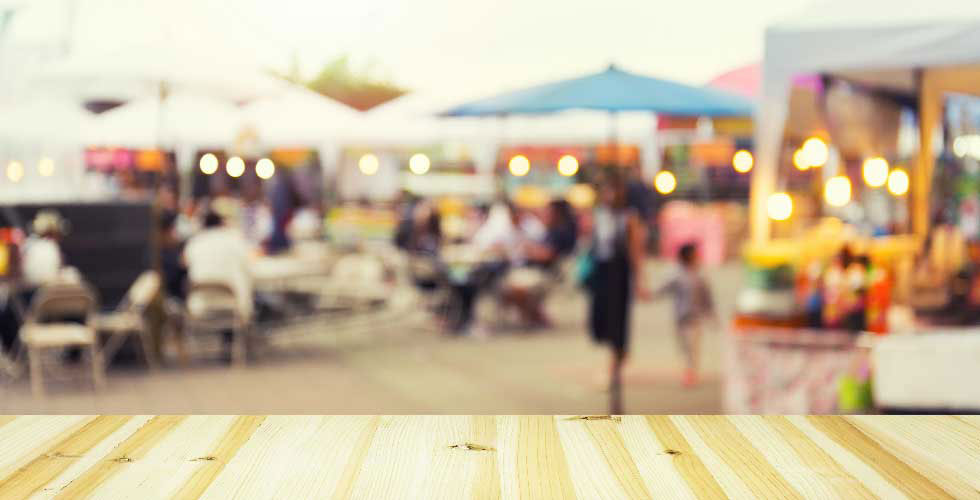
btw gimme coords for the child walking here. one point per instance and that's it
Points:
(692, 305)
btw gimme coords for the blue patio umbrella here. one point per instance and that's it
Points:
(612, 90)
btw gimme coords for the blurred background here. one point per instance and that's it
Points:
(508, 207)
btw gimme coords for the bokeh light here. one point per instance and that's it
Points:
(800, 160)
(837, 191)
(815, 152)
(568, 165)
(779, 206)
(875, 171)
(742, 161)
(419, 164)
(368, 164)
(45, 167)
(15, 171)
(898, 182)
(235, 166)
(665, 182)
(209, 164)
(265, 168)
(519, 166)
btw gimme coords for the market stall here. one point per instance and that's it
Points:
(840, 219)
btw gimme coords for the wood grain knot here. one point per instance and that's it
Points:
(473, 447)
(672, 452)
(596, 417)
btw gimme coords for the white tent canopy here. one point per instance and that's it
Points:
(50, 120)
(411, 120)
(294, 116)
(920, 48)
(180, 120)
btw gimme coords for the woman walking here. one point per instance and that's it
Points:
(617, 274)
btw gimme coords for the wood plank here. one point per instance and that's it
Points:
(92, 457)
(817, 461)
(289, 454)
(851, 463)
(132, 449)
(592, 475)
(165, 468)
(486, 477)
(905, 478)
(542, 470)
(490, 457)
(656, 465)
(732, 446)
(212, 463)
(52, 462)
(356, 460)
(943, 448)
(24, 439)
(606, 437)
(727, 478)
(702, 482)
(5, 419)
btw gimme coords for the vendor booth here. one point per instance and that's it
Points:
(814, 283)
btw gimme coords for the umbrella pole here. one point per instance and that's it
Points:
(614, 137)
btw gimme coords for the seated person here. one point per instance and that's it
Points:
(219, 254)
(525, 287)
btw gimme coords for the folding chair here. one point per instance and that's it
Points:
(129, 318)
(214, 307)
(48, 326)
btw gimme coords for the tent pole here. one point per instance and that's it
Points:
(930, 109)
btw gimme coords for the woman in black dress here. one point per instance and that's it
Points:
(617, 253)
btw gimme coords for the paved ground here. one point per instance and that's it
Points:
(398, 364)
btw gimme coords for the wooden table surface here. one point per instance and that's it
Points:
(476, 457)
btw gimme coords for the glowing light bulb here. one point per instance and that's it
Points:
(209, 164)
(898, 182)
(816, 152)
(15, 171)
(368, 164)
(665, 182)
(419, 164)
(875, 171)
(779, 206)
(235, 166)
(265, 169)
(837, 191)
(45, 167)
(519, 166)
(742, 161)
(568, 165)
(800, 160)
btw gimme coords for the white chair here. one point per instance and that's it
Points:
(214, 307)
(129, 318)
(46, 328)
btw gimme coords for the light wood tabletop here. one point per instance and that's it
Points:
(477, 457)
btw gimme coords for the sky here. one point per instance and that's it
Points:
(454, 48)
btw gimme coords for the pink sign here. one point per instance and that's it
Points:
(682, 222)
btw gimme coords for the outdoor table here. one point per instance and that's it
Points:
(275, 272)
(487, 456)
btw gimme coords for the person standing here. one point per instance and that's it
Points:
(616, 277)
(692, 305)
